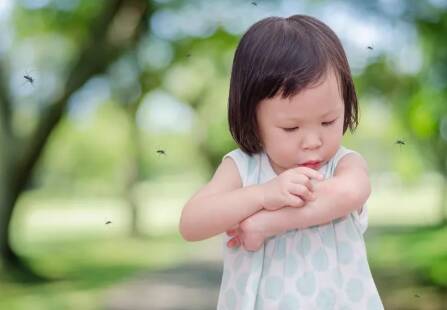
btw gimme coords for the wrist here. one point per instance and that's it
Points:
(256, 224)
(268, 223)
(280, 221)
(260, 196)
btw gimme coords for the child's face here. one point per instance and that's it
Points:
(316, 114)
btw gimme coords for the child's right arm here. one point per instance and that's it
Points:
(219, 205)
(223, 203)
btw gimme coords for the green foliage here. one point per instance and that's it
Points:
(71, 23)
(420, 250)
(95, 149)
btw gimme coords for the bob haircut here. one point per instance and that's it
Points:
(284, 55)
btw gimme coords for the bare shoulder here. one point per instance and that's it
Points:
(352, 170)
(225, 179)
(351, 162)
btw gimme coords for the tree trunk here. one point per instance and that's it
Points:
(137, 166)
(98, 52)
(10, 260)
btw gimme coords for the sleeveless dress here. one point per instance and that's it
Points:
(320, 267)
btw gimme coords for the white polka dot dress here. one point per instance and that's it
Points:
(320, 267)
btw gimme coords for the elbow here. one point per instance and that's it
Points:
(360, 195)
(195, 226)
(186, 229)
(185, 233)
(192, 232)
(188, 236)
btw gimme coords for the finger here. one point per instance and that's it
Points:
(302, 191)
(309, 185)
(238, 242)
(305, 180)
(232, 232)
(234, 242)
(239, 230)
(295, 201)
(311, 173)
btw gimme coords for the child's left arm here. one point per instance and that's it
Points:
(346, 191)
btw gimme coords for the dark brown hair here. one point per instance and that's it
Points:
(287, 55)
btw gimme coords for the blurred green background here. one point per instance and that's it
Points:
(113, 113)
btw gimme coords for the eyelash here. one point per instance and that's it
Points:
(326, 124)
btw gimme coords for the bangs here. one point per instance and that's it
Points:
(286, 60)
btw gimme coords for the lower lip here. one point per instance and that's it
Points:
(313, 166)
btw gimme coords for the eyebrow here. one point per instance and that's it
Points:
(322, 116)
(330, 112)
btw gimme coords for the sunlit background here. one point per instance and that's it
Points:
(113, 114)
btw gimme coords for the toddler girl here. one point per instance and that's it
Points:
(291, 198)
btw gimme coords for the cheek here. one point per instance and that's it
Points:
(275, 135)
(336, 134)
(284, 140)
(340, 129)
(280, 142)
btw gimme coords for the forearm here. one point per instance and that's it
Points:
(333, 200)
(208, 216)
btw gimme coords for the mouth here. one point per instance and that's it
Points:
(311, 164)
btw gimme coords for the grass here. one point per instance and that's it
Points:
(84, 267)
(68, 240)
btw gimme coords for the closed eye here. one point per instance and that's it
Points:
(329, 123)
(326, 124)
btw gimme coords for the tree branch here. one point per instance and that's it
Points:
(98, 52)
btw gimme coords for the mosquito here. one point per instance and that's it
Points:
(29, 79)
(108, 222)
(161, 152)
(370, 47)
(400, 142)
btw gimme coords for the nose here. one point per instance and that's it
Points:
(311, 141)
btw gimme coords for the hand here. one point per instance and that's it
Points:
(250, 233)
(250, 241)
(292, 188)
(235, 233)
